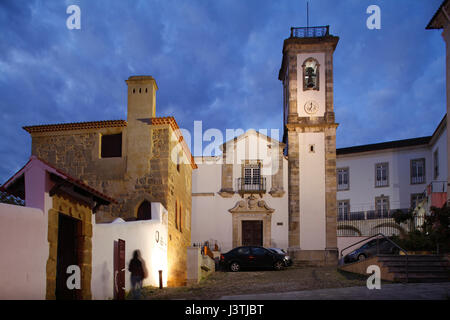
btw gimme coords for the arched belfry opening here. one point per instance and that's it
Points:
(144, 211)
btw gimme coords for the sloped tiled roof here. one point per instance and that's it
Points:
(75, 126)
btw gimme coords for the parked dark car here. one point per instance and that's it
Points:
(287, 259)
(251, 257)
(369, 249)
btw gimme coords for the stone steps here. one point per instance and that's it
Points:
(421, 268)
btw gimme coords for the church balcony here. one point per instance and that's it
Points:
(310, 32)
(251, 185)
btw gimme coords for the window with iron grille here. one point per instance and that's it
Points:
(343, 210)
(343, 179)
(417, 171)
(436, 164)
(382, 207)
(382, 174)
(416, 198)
(252, 174)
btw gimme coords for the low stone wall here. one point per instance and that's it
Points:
(198, 266)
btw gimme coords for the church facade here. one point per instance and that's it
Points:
(302, 194)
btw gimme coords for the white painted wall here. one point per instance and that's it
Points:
(441, 145)
(362, 190)
(312, 191)
(138, 235)
(24, 252)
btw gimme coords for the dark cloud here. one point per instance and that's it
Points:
(215, 61)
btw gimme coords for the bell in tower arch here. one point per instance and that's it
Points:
(310, 75)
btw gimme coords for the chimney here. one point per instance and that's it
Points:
(141, 107)
(141, 97)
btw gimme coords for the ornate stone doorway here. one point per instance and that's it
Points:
(252, 220)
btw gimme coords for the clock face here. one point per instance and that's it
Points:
(311, 107)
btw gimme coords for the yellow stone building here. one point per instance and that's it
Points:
(143, 159)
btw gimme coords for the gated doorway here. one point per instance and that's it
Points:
(69, 231)
(252, 233)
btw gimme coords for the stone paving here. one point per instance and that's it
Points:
(410, 291)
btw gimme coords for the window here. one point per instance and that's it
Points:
(382, 175)
(416, 198)
(145, 211)
(111, 145)
(417, 171)
(436, 164)
(176, 215)
(252, 174)
(342, 179)
(382, 207)
(178, 162)
(243, 251)
(259, 251)
(180, 216)
(311, 74)
(343, 210)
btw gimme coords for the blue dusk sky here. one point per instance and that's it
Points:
(215, 61)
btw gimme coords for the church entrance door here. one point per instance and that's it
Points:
(252, 233)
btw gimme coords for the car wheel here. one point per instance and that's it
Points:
(235, 267)
(361, 257)
(278, 265)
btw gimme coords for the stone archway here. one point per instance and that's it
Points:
(251, 209)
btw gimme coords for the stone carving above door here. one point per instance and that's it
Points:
(251, 205)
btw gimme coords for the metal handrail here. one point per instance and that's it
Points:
(376, 235)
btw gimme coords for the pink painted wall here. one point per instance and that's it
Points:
(24, 252)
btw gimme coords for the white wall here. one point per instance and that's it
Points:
(441, 145)
(24, 252)
(361, 166)
(138, 235)
(312, 191)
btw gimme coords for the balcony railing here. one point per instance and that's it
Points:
(251, 185)
(368, 215)
(310, 32)
(437, 186)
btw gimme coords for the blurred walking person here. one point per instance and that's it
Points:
(137, 269)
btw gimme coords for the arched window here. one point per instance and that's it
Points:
(144, 211)
(311, 74)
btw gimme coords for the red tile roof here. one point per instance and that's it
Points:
(75, 126)
(63, 175)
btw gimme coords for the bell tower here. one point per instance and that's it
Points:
(310, 136)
